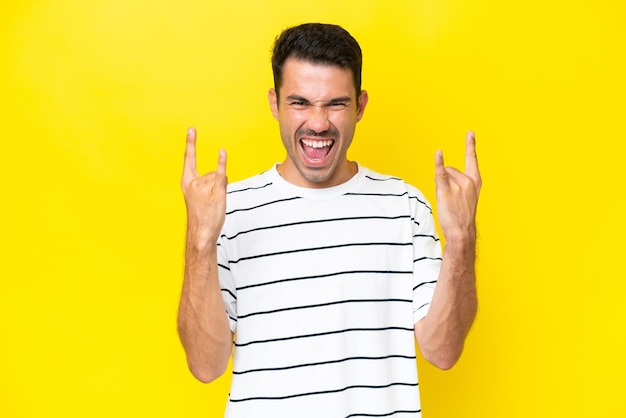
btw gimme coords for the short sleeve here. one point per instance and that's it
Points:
(427, 255)
(227, 284)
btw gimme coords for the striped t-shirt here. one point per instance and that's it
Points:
(322, 288)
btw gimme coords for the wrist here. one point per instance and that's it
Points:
(201, 240)
(461, 237)
(460, 248)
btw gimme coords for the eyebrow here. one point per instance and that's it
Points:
(298, 98)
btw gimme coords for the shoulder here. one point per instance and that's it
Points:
(255, 182)
(250, 189)
(386, 182)
(253, 192)
(375, 182)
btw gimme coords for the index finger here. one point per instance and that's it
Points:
(189, 168)
(471, 160)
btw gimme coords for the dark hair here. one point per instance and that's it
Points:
(317, 43)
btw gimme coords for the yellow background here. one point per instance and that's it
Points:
(96, 97)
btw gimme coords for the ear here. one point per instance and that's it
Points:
(272, 97)
(361, 103)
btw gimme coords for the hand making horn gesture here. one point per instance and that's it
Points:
(205, 196)
(457, 194)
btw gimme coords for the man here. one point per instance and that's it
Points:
(322, 270)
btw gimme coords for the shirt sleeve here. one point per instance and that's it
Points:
(427, 254)
(227, 284)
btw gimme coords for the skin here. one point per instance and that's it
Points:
(319, 103)
(441, 333)
(202, 322)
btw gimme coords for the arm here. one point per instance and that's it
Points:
(202, 321)
(441, 333)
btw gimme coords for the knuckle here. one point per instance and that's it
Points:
(466, 182)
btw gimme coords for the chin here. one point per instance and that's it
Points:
(316, 176)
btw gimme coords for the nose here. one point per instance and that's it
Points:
(318, 119)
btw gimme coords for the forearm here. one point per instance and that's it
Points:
(202, 321)
(441, 333)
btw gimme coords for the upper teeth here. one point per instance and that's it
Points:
(317, 144)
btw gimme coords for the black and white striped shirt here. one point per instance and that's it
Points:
(322, 288)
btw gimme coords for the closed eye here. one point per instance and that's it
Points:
(298, 103)
(338, 105)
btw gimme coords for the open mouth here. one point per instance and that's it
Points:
(316, 149)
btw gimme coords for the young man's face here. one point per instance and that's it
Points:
(317, 111)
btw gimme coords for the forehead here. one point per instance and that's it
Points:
(316, 81)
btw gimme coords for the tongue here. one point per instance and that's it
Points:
(316, 153)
